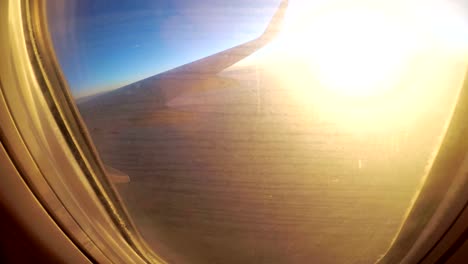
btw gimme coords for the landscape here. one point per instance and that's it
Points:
(233, 171)
(229, 163)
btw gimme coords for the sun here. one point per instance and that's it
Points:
(368, 65)
(355, 52)
(364, 50)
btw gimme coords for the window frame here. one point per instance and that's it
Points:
(43, 138)
(436, 224)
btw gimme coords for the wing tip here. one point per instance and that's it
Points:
(276, 21)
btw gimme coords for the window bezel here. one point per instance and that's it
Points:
(48, 143)
(34, 96)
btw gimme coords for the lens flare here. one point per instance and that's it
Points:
(365, 50)
(355, 52)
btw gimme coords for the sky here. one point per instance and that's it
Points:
(107, 44)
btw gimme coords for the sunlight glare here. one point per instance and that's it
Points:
(367, 49)
(355, 52)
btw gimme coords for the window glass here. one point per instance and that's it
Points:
(264, 131)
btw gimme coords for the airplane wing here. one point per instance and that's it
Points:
(140, 101)
(167, 85)
(217, 62)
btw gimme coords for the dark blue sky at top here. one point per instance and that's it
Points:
(108, 43)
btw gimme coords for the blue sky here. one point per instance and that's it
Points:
(107, 44)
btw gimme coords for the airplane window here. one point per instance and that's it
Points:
(265, 131)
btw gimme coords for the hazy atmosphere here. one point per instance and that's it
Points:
(265, 131)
